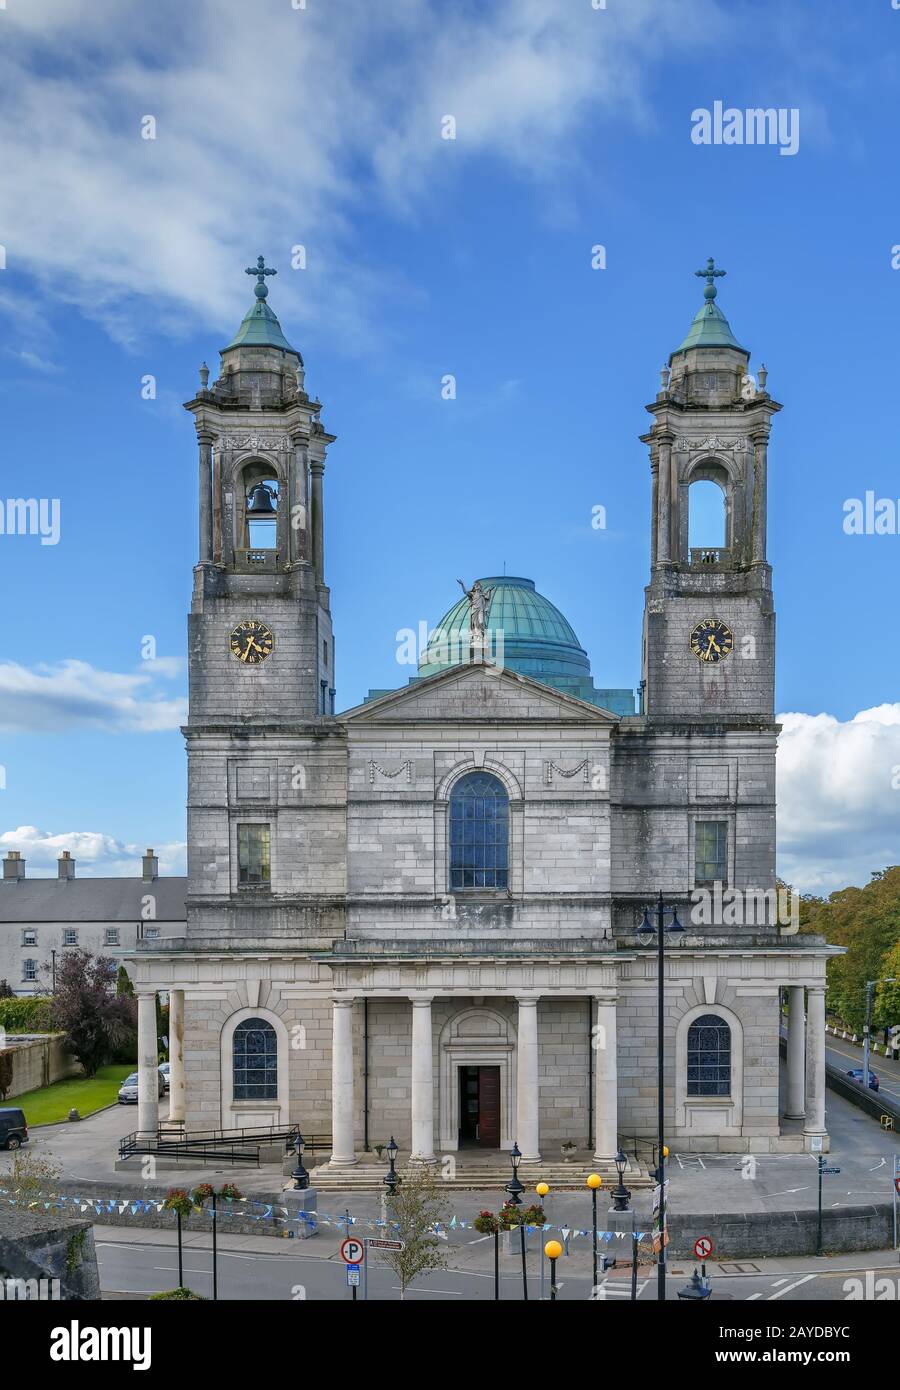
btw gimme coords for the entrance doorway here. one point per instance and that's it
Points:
(479, 1107)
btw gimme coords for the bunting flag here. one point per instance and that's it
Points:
(266, 1211)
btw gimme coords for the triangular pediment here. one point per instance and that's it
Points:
(477, 692)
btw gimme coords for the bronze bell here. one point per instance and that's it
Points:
(259, 501)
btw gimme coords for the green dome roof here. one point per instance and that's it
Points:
(260, 328)
(710, 329)
(536, 641)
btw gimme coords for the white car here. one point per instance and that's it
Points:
(164, 1073)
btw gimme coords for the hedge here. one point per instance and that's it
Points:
(26, 1015)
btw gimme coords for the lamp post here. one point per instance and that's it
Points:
(867, 1026)
(542, 1190)
(392, 1179)
(594, 1182)
(514, 1190)
(621, 1202)
(300, 1175)
(553, 1250)
(646, 931)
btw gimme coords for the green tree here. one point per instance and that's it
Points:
(95, 1020)
(415, 1208)
(866, 921)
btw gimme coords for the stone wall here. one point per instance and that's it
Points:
(39, 1061)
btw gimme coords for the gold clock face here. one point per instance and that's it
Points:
(711, 640)
(251, 642)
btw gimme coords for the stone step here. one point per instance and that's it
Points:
(559, 1178)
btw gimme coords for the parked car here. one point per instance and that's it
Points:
(857, 1075)
(13, 1129)
(128, 1091)
(164, 1073)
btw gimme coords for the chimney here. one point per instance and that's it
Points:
(150, 866)
(65, 865)
(14, 865)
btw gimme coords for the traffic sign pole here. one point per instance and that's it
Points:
(821, 1165)
(896, 1193)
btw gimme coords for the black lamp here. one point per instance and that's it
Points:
(300, 1175)
(392, 1179)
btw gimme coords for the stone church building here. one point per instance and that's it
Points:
(419, 917)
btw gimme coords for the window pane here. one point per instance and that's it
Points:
(479, 832)
(253, 854)
(709, 1057)
(255, 1053)
(710, 851)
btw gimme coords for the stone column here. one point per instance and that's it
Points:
(148, 1063)
(654, 504)
(815, 1061)
(176, 1056)
(205, 440)
(664, 493)
(342, 1111)
(795, 1108)
(606, 1083)
(317, 520)
(527, 1092)
(422, 1079)
(760, 468)
(298, 520)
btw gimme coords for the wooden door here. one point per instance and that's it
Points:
(489, 1107)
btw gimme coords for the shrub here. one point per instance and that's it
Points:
(31, 1015)
(178, 1294)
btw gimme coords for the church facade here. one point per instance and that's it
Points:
(419, 917)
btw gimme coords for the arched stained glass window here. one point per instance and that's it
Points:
(709, 1057)
(479, 832)
(255, 1052)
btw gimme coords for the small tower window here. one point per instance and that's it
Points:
(254, 869)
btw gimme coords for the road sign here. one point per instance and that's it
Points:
(831, 1170)
(385, 1244)
(656, 1196)
(353, 1251)
(703, 1247)
(353, 1276)
(897, 1185)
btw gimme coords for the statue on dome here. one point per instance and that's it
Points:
(479, 599)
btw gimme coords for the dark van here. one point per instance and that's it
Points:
(13, 1129)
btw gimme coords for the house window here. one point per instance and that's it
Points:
(70, 937)
(29, 970)
(111, 937)
(29, 937)
(255, 1054)
(254, 868)
(151, 933)
(479, 832)
(711, 852)
(709, 1057)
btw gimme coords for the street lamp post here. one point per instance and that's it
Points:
(621, 1196)
(594, 1181)
(300, 1175)
(514, 1190)
(553, 1250)
(646, 931)
(542, 1190)
(392, 1179)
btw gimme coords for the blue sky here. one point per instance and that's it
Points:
(321, 127)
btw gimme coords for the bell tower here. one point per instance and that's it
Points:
(260, 625)
(264, 751)
(709, 621)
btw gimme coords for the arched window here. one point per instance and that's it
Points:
(479, 832)
(255, 1051)
(709, 1057)
(706, 515)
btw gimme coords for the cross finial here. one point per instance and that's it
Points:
(710, 275)
(261, 289)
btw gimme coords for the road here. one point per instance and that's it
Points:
(845, 1055)
(143, 1262)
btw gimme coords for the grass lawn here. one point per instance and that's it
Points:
(50, 1104)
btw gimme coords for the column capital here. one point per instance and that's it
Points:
(421, 1001)
(340, 1001)
(524, 1000)
(317, 467)
(205, 436)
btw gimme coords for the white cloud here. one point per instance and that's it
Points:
(96, 855)
(838, 797)
(287, 127)
(74, 694)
